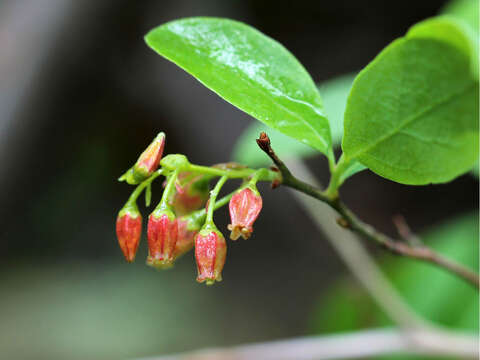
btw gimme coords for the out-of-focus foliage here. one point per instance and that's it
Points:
(113, 310)
(432, 292)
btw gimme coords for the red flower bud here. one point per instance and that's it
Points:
(187, 229)
(244, 208)
(210, 253)
(192, 193)
(148, 161)
(129, 229)
(162, 234)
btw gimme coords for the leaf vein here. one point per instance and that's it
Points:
(414, 117)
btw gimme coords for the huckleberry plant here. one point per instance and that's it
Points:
(186, 191)
(411, 116)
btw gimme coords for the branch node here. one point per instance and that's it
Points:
(405, 232)
(343, 223)
(263, 142)
(276, 183)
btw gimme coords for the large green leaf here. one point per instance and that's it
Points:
(249, 70)
(412, 113)
(424, 287)
(468, 12)
(334, 93)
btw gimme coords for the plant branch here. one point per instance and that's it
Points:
(232, 173)
(356, 257)
(405, 232)
(356, 345)
(350, 221)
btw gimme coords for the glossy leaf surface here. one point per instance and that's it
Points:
(251, 71)
(334, 94)
(412, 114)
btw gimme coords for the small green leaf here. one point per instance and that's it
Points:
(352, 168)
(412, 113)
(334, 93)
(251, 71)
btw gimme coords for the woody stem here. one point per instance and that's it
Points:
(351, 222)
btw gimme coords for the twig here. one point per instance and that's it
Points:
(357, 345)
(357, 259)
(405, 232)
(364, 230)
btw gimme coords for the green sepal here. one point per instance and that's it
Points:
(208, 228)
(174, 161)
(131, 178)
(138, 175)
(163, 210)
(131, 209)
(252, 186)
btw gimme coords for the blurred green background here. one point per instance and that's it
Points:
(82, 95)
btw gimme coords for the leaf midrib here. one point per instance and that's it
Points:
(416, 116)
(287, 110)
(274, 101)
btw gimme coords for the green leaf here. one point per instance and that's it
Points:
(412, 113)
(423, 286)
(458, 241)
(468, 12)
(452, 31)
(251, 71)
(475, 169)
(352, 168)
(465, 10)
(334, 93)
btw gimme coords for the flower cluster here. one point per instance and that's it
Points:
(183, 219)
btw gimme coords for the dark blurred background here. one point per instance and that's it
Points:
(82, 96)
